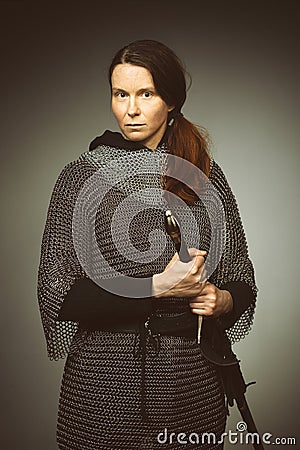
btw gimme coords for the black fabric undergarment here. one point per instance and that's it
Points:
(88, 303)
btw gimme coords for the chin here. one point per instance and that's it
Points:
(134, 136)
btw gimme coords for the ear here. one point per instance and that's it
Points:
(170, 108)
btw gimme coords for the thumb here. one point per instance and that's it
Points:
(198, 261)
(196, 252)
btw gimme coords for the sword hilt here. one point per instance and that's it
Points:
(173, 230)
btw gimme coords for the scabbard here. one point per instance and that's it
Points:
(248, 419)
(235, 388)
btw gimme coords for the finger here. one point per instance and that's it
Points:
(198, 306)
(197, 303)
(196, 251)
(198, 265)
(204, 311)
(200, 312)
(203, 299)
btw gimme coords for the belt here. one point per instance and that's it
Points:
(184, 324)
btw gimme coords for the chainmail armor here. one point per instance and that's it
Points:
(100, 394)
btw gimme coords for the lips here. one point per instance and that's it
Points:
(135, 124)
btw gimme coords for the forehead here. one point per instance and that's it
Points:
(130, 77)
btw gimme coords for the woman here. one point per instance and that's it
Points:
(135, 376)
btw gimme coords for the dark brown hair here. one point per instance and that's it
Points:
(183, 138)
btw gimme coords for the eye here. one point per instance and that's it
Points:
(147, 94)
(120, 94)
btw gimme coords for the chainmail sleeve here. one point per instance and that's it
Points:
(59, 267)
(235, 265)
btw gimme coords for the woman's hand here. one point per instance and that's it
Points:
(211, 301)
(180, 279)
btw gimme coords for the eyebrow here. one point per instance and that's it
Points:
(147, 88)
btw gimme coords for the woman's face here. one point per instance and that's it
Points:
(141, 113)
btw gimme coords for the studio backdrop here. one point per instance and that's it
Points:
(243, 59)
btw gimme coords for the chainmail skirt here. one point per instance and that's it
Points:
(100, 399)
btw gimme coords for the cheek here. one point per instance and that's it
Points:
(158, 114)
(118, 110)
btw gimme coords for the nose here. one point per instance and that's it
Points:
(133, 107)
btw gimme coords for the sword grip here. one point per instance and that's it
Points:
(183, 253)
(172, 228)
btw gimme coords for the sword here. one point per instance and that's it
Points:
(233, 380)
(173, 230)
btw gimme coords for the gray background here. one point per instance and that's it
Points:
(244, 60)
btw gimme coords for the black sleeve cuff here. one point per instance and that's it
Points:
(86, 301)
(242, 296)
